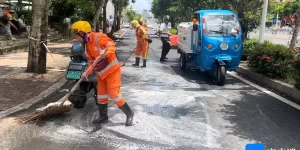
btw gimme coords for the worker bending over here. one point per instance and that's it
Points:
(108, 70)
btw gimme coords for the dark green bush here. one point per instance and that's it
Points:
(248, 46)
(296, 72)
(272, 60)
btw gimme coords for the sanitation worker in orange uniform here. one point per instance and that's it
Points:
(108, 70)
(142, 43)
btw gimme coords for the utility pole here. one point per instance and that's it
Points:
(263, 22)
(277, 17)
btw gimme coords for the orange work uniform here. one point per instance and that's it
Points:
(109, 79)
(142, 43)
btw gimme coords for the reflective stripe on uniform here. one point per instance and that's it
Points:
(109, 44)
(101, 103)
(146, 51)
(97, 44)
(109, 66)
(102, 96)
(117, 98)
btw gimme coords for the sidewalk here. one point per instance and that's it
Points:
(17, 86)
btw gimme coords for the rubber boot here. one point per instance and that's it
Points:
(144, 63)
(129, 114)
(137, 61)
(103, 118)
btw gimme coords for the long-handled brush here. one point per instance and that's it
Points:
(128, 57)
(57, 108)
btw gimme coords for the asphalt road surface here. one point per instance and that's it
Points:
(173, 110)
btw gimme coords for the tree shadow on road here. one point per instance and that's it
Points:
(265, 120)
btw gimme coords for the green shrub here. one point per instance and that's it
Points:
(248, 46)
(272, 60)
(173, 31)
(296, 72)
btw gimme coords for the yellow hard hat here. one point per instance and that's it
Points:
(134, 23)
(11, 11)
(141, 20)
(81, 26)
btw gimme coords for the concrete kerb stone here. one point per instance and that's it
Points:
(120, 34)
(21, 47)
(54, 89)
(280, 86)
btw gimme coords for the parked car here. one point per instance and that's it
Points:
(150, 26)
(126, 25)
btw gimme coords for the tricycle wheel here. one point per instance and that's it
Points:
(183, 61)
(221, 75)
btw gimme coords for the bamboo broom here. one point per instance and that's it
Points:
(57, 108)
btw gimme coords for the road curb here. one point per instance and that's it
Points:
(120, 34)
(280, 86)
(23, 47)
(52, 90)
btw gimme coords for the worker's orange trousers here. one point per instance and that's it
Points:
(109, 88)
(142, 47)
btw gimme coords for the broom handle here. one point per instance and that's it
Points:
(81, 79)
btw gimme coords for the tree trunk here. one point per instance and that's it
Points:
(98, 26)
(295, 34)
(119, 17)
(115, 18)
(98, 5)
(172, 22)
(19, 6)
(104, 17)
(37, 55)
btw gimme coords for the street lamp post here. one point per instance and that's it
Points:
(277, 17)
(263, 22)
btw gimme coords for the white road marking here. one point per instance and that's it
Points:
(234, 74)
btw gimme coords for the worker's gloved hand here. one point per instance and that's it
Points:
(103, 55)
(84, 75)
(144, 36)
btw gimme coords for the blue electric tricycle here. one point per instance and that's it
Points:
(212, 42)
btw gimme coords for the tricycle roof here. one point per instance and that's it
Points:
(216, 11)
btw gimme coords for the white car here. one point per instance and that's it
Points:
(126, 25)
(150, 26)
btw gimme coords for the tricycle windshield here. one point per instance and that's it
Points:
(221, 25)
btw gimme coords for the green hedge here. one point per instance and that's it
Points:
(273, 60)
(249, 45)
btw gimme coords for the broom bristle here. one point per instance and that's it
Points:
(46, 113)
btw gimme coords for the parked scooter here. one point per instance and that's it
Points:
(76, 68)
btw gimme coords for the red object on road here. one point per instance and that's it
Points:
(174, 40)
